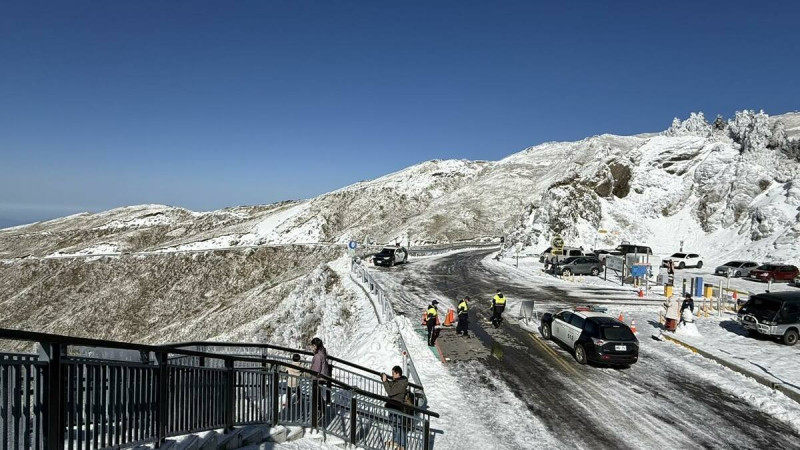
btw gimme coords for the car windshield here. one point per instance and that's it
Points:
(766, 305)
(386, 252)
(617, 333)
(733, 264)
(767, 267)
(678, 255)
(570, 260)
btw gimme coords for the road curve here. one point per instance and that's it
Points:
(656, 402)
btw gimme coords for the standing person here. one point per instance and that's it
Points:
(688, 303)
(431, 321)
(293, 383)
(498, 305)
(320, 366)
(463, 317)
(396, 391)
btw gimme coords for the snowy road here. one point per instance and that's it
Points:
(665, 399)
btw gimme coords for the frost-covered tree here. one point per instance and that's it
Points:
(778, 138)
(719, 123)
(751, 130)
(695, 125)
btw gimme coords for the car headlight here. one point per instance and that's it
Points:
(768, 323)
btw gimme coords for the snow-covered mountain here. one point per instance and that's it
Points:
(730, 189)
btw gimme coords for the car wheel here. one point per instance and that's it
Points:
(595, 272)
(580, 354)
(699, 264)
(546, 331)
(391, 263)
(752, 333)
(566, 273)
(681, 265)
(790, 337)
(738, 273)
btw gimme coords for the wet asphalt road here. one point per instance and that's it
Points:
(653, 403)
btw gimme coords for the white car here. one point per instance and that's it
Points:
(684, 260)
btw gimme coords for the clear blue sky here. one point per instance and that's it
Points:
(212, 104)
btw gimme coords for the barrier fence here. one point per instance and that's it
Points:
(62, 400)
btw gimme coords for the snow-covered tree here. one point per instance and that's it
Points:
(695, 125)
(719, 123)
(751, 130)
(778, 139)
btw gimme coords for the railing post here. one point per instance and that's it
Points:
(426, 434)
(314, 402)
(54, 401)
(353, 418)
(162, 402)
(230, 394)
(276, 398)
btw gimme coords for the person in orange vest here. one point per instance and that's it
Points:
(498, 306)
(431, 324)
(463, 317)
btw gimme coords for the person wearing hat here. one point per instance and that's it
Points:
(463, 317)
(431, 323)
(498, 306)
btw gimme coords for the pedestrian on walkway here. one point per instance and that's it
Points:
(688, 303)
(396, 389)
(432, 314)
(498, 306)
(321, 367)
(463, 317)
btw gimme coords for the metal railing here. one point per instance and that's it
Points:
(62, 401)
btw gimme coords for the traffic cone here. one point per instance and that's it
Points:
(641, 292)
(621, 318)
(424, 318)
(735, 295)
(450, 318)
(633, 325)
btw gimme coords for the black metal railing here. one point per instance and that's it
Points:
(62, 399)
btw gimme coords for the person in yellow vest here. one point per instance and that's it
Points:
(498, 305)
(431, 323)
(463, 317)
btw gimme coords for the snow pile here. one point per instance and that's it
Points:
(101, 249)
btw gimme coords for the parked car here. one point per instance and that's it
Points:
(797, 281)
(580, 265)
(549, 257)
(736, 268)
(390, 256)
(625, 249)
(774, 314)
(602, 254)
(774, 272)
(592, 336)
(683, 260)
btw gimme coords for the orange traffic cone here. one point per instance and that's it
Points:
(735, 295)
(641, 292)
(621, 318)
(450, 318)
(633, 325)
(424, 318)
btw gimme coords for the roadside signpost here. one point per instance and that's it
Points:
(352, 245)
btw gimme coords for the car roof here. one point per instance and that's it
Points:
(781, 296)
(588, 314)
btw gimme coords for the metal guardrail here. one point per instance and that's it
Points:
(384, 309)
(58, 401)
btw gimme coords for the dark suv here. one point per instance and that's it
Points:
(774, 314)
(592, 336)
(390, 256)
(774, 272)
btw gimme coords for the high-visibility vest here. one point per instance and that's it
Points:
(463, 307)
(432, 313)
(499, 300)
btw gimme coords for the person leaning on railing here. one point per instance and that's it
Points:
(320, 366)
(396, 389)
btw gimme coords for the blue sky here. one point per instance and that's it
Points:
(212, 104)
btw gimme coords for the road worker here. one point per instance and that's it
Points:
(498, 305)
(463, 317)
(432, 314)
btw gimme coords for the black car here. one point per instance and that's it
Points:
(592, 336)
(390, 256)
(775, 314)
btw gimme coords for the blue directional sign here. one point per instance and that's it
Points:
(352, 245)
(638, 271)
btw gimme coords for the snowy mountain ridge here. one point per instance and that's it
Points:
(727, 189)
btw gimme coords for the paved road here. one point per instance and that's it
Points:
(656, 402)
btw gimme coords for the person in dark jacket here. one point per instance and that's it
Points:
(320, 366)
(463, 317)
(396, 388)
(688, 303)
(431, 316)
(498, 306)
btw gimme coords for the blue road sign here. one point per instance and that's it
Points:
(638, 271)
(352, 245)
